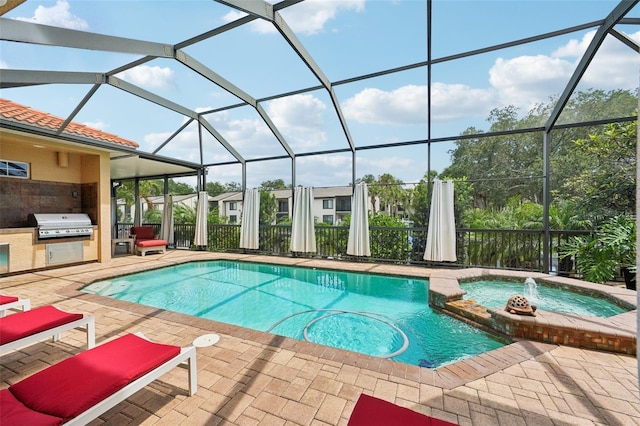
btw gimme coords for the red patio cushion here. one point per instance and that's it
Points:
(371, 411)
(7, 299)
(151, 243)
(13, 412)
(23, 324)
(75, 384)
(142, 232)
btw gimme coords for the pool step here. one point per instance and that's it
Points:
(468, 308)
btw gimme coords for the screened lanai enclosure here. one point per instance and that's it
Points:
(529, 106)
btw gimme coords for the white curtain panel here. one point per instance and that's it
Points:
(250, 226)
(441, 234)
(200, 239)
(303, 231)
(358, 244)
(137, 212)
(166, 226)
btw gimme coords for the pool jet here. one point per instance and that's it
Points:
(531, 289)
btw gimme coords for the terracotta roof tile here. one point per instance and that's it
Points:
(20, 113)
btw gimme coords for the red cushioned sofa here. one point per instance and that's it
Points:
(146, 241)
(79, 389)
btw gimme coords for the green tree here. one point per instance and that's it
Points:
(215, 188)
(232, 187)
(420, 201)
(606, 187)
(499, 166)
(152, 216)
(271, 185)
(387, 243)
(183, 214)
(213, 216)
(504, 166)
(180, 188)
(268, 207)
(391, 193)
(187, 215)
(150, 188)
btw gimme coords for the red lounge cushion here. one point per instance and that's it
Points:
(75, 384)
(142, 232)
(7, 299)
(27, 323)
(13, 412)
(370, 411)
(151, 243)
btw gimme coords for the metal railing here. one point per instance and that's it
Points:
(488, 248)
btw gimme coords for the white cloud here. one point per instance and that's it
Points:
(100, 125)
(522, 81)
(300, 120)
(309, 17)
(404, 105)
(3, 64)
(611, 66)
(228, 174)
(183, 146)
(407, 105)
(336, 170)
(151, 77)
(233, 16)
(57, 16)
(454, 101)
(574, 48)
(297, 111)
(526, 80)
(248, 136)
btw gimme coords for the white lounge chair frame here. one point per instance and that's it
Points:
(87, 322)
(24, 304)
(186, 358)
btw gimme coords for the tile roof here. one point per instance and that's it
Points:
(12, 111)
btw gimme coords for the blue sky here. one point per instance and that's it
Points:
(346, 39)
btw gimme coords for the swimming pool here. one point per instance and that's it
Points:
(378, 315)
(495, 293)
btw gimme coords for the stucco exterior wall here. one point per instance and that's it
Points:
(87, 167)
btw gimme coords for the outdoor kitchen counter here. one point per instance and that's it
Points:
(26, 252)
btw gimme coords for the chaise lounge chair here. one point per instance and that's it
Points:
(81, 388)
(12, 302)
(146, 241)
(371, 411)
(29, 327)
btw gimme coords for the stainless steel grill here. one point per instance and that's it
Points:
(58, 225)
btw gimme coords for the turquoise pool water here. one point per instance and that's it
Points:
(377, 315)
(493, 294)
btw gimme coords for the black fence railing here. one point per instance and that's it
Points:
(489, 248)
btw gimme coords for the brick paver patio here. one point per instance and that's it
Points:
(254, 378)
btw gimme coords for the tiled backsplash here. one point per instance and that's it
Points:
(19, 197)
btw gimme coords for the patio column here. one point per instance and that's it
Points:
(546, 255)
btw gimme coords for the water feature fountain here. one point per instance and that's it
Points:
(531, 289)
